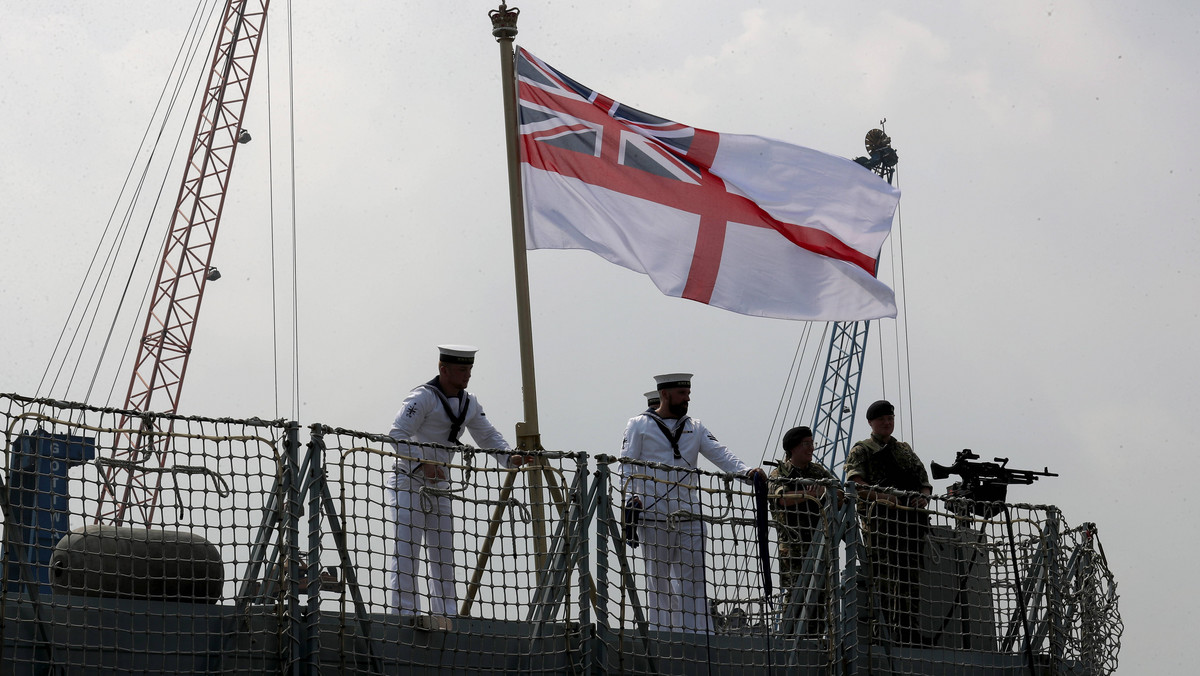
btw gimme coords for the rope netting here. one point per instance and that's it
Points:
(904, 583)
(347, 552)
(149, 592)
(467, 563)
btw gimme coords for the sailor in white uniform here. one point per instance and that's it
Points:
(436, 412)
(652, 399)
(675, 566)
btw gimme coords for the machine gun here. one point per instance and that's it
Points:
(984, 482)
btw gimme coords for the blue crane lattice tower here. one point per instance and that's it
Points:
(834, 418)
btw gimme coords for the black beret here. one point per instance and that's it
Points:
(794, 436)
(880, 409)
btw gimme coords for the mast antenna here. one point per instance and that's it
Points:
(833, 420)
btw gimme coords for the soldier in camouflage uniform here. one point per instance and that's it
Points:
(796, 506)
(894, 525)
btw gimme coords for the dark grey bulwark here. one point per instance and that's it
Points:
(94, 635)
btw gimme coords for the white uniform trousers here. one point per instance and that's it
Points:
(422, 522)
(676, 593)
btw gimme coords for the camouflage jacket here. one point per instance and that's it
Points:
(889, 463)
(795, 521)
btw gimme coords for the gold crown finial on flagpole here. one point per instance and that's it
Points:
(504, 22)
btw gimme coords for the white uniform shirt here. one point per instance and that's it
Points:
(644, 441)
(422, 417)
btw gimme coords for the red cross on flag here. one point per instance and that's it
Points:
(744, 223)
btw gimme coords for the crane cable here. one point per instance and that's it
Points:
(788, 394)
(900, 331)
(85, 311)
(143, 304)
(903, 370)
(89, 314)
(294, 365)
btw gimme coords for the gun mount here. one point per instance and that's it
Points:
(984, 482)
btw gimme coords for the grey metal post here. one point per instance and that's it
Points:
(1055, 594)
(337, 530)
(855, 597)
(1027, 647)
(312, 484)
(600, 488)
(553, 581)
(599, 637)
(606, 518)
(254, 583)
(580, 543)
(292, 649)
(1035, 584)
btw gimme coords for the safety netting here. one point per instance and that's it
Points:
(127, 536)
(449, 557)
(726, 574)
(150, 543)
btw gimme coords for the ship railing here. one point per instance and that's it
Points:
(158, 591)
(550, 567)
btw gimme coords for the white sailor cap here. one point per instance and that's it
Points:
(652, 397)
(668, 380)
(457, 354)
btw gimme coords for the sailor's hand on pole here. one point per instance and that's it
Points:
(516, 459)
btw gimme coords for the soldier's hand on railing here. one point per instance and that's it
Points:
(884, 498)
(516, 459)
(792, 498)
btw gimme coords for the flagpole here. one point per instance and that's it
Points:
(504, 28)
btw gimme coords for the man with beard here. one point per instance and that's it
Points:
(675, 566)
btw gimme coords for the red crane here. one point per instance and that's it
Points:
(131, 486)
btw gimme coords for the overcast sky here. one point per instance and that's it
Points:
(1048, 221)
